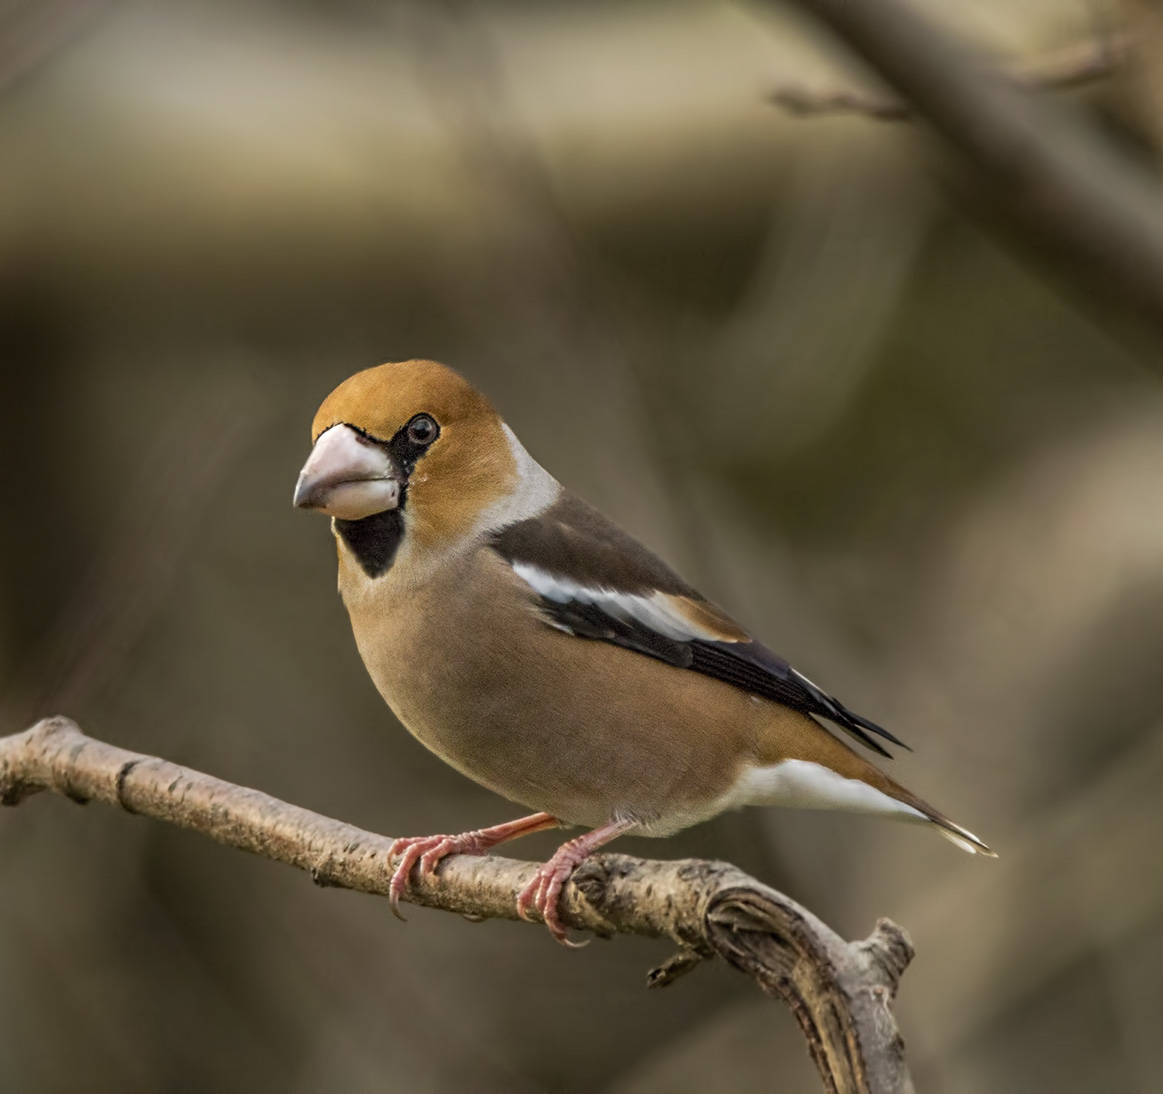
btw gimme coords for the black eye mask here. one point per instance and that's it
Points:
(375, 540)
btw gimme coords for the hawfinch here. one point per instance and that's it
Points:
(541, 650)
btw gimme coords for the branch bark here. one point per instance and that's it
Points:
(1065, 185)
(840, 992)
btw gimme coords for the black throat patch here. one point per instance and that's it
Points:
(375, 540)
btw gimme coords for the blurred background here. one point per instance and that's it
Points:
(798, 357)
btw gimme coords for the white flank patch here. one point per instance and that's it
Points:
(536, 491)
(800, 784)
(654, 611)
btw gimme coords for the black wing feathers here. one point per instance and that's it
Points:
(589, 621)
(745, 665)
(753, 667)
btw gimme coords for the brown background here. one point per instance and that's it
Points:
(788, 354)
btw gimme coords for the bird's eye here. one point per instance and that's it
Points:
(422, 429)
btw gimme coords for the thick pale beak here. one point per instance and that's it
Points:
(347, 476)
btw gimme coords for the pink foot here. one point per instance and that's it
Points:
(428, 851)
(543, 892)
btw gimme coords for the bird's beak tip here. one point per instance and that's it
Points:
(302, 495)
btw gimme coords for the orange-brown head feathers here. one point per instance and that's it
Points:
(380, 401)
(413, 443)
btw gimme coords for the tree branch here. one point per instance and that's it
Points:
(1073, 67)
(840, 992)
(1064, 185)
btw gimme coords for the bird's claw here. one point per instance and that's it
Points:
(428, 851)
(543, 894)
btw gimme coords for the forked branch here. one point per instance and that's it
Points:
(840, 992)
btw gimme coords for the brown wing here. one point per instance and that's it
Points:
(596, 581)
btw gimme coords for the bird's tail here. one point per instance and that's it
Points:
(962, 837)
(921, 812)
(954, 833)
(803, 765)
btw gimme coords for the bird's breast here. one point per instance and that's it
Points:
(575, 727)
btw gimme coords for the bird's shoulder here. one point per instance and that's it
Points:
(573, 538)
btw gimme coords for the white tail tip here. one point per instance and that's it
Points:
(964, 839)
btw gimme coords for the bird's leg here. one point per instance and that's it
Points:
(541, 894)
(429, 850)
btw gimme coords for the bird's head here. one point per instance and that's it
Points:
(412, 447)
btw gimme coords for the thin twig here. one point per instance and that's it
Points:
(840, 992)
(1064, 186)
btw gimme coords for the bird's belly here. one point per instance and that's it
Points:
(577, 728)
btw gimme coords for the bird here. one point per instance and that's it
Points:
(542, 651)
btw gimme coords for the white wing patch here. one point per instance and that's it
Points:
(654, 611)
